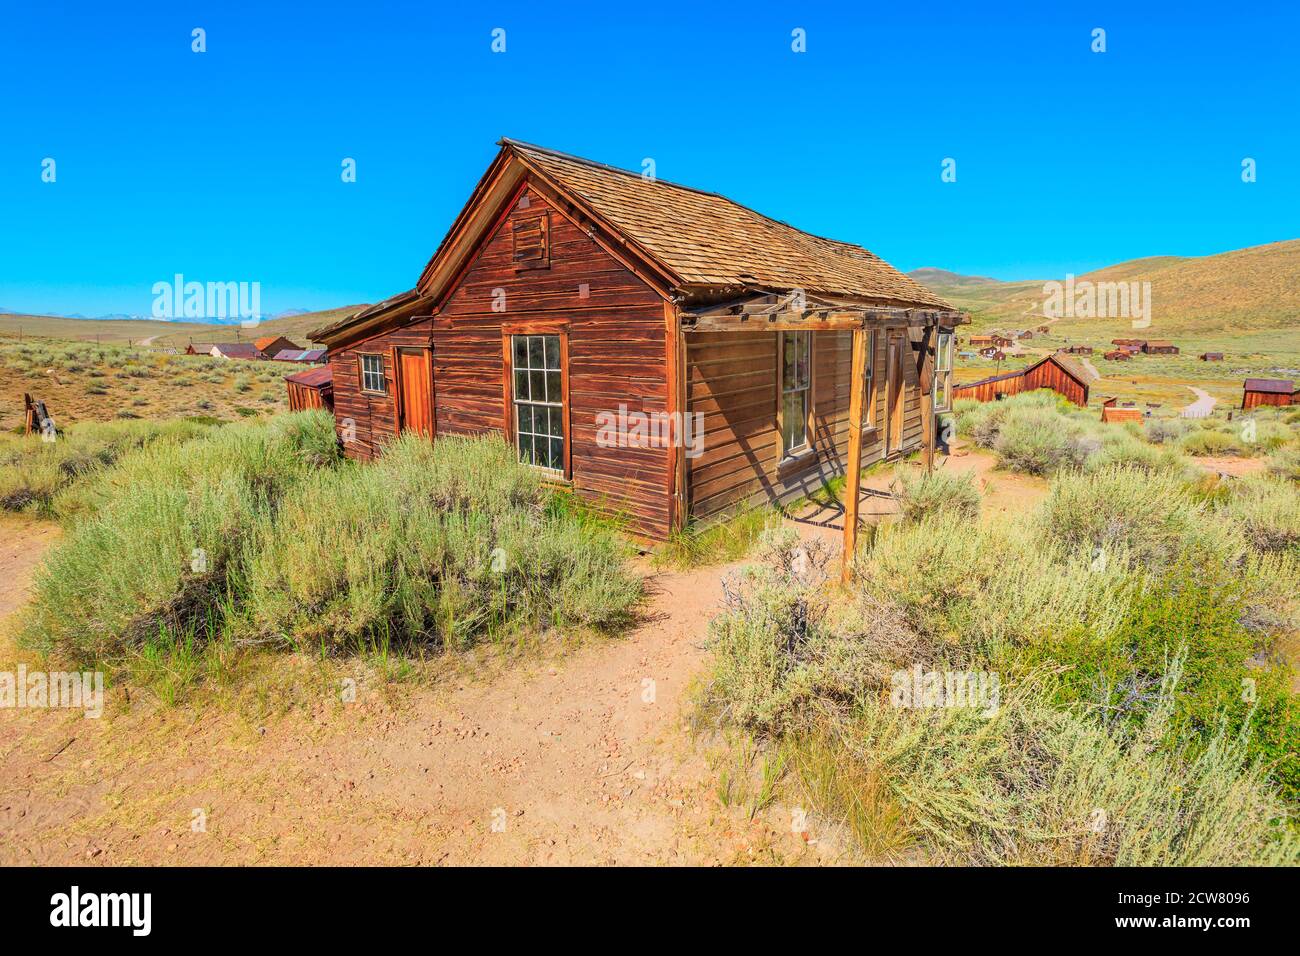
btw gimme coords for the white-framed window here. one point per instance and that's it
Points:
(538, 397)
(796, 391)
(942, 386)
(372, 374)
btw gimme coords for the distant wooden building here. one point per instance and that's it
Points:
(1269, 391)
(1077, 350)
(1129, 342)
(272, 345)
(1058, 372)
(1159, 347)
(1211, 356)
(1112, 413)
(1044, 328)
(990, 341)
(1026, 334)
(311, 388)
(1118, 355)
(236, 350)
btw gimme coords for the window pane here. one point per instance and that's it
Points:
(802, 370)
(525, 418)
(535, 357)
(557, 454)
(788, 359)
(552, 351)
(521, 351)
(553, 391)
(521, 385)
(794, 421)
(537, 385)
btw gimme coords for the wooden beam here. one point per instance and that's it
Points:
(853, 477)
(926, 377)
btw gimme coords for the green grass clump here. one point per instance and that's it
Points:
(33, 471)
(722, 540)
(940, 492)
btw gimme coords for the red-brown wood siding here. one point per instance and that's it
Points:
(616, 355)
(731, 379)
(1278, 399)
(1046, 375)
(303, 397)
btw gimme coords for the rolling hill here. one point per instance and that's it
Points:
(165, 334)
(1244, 291)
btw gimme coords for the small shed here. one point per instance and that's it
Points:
(1078, 350)
(1118, 355)
(1211, 356)
(1269, 391)
(1112, 413)
(1137, 342)
(1043, 328)
(1159, 347)
(311, 388)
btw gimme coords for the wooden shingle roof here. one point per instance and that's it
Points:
(709, 240)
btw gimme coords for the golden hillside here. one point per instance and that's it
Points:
(1254, 289)
(165, 334)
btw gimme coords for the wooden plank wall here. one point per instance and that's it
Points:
(303, 397)
(1046, 375)
(617, 354)
(367, 416)
(731, 378)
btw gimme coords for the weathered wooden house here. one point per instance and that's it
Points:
(665, 352)
(1060, 373)
(236, 350)
(1159, 347)
(310, 388)
(1269, 391)
(1211, 356)
(1118, 355)
(1077, 350)
(1138, 343)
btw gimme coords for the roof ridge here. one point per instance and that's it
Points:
(584, 161)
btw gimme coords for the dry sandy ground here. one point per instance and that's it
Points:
(583, 758)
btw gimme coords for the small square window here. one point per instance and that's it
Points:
(372, 374)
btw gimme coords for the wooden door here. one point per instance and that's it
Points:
(415, 386)
(895, 391)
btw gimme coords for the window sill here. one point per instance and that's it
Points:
(796, 462)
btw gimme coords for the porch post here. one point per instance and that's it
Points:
(853, 477)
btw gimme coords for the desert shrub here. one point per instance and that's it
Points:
(1161, 430)
(34, 471)
(1150, 517)
(437, 544)
(1285, 463)
(1211, 442)
(1268, 511)
(1039, 441)
(158, 537)
(772, 644)
(940, 492)
(726, 538)
(1033, 784)
(1119, 447)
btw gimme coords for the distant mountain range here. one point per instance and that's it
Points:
(126, 317)
(1253, 289)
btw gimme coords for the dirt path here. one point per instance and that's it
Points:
(1203, 407)
(581, 758)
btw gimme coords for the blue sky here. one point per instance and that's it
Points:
(225, 165)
